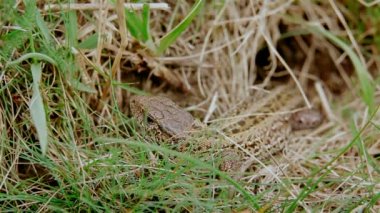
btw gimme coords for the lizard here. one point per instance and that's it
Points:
(257, 127)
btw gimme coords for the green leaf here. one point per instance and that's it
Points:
(170, 38)
(37, 110)
(90, 42)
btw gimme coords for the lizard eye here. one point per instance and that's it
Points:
(149, 119)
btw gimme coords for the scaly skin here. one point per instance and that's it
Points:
(257, 128)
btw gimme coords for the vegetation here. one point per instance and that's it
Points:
(67, 71)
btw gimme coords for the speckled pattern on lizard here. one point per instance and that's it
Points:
(256, 128)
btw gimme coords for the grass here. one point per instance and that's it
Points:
(69, 144)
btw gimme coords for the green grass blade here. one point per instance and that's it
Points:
(362, 149)
(37, 110)
(90, 42)
(28, 18)
(129, 88)
(17, 37)
(71, 28)
(374, 200)
(43, 28)
(366, 84)
(148, 42)
(249, 197)
(14, 40)
(37, 56)
(145, 22)
(134, 24)
(170, 38)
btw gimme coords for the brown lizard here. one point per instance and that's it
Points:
(258, 127)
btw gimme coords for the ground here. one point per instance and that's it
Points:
(69, 142)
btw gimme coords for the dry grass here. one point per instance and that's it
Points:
(229, 51)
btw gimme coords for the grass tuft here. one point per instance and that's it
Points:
(67, 72)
